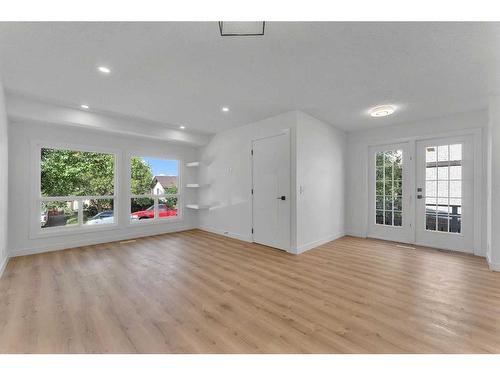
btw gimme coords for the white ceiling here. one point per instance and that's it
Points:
(183, 72)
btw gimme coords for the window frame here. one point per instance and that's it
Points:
(36, 230)
(156, 218)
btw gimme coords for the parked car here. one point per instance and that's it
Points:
(104, 217)
(44, 218)
(163, 211)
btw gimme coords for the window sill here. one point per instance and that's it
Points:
(72, 230)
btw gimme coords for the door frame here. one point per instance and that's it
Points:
(477, 140)
(288, 133)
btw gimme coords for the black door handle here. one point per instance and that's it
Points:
(283, 198)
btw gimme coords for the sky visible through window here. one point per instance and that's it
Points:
(163, 167)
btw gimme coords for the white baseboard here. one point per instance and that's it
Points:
(355, 234)
(493, 266)
(312, 245)
(236, 236)
(100, 240)
(3, 265)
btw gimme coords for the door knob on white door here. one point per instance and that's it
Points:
(283, 198)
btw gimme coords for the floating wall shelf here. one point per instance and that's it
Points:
(192, 185)
(193, 164)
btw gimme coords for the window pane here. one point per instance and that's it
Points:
(398, 203)
(455, 223)
(398, 188)
(443, 153)
(388, 187)
(379, 217)
(98, 211)
(388, 218)
(167, 207)
(442, 188)
(456, 189)
(380, 173)
(398, 219)
(154, 176)
(142, 209)
(58, 214)
(430, 201)
(388, 172)
(443, 173)
(456, 172)
(456, 152)
(379, 159)
(380, 188)
(430, 188)
(430, 209)
(388, 202)
(379, 202)
(76, 173)
(431, 173)
(442, 225)
(430, 222)
(430, 155)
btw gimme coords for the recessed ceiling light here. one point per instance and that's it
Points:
(84, 106)
(382, 110)
(225, 109)
(104, 69)
(182, 127)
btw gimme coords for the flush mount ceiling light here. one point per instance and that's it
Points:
(104, 69)
(225, 109)
(84, 106)
(232, 28)
(182, 127)
(382, 110)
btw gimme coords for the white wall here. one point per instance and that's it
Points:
(320, 182)
(22, 135)
(317, 151)
(357, 167)
(227, 168)
(3, 182)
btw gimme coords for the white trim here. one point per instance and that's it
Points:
(101, 240)
(493, 266)
(314, 244)
(237, 236)
(3, 266)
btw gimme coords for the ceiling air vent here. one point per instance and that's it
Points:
(233, 28)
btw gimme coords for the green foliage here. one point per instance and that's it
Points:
(141, 176)
(67, 173)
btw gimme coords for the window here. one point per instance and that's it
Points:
(443, 188)
(154, 189)
(76, 188)
(389, 188)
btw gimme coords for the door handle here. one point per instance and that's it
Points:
(283, 198)
(420, 196)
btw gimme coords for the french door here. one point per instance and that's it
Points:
(389, 201)
(445, 193)
(427, 199)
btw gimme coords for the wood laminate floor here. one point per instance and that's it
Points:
(196, 292)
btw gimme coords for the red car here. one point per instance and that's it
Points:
(149, 213)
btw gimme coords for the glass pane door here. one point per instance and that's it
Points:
(443, 188)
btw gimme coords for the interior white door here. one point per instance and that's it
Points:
(271, 191)
(445, 193)
(389, 215)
